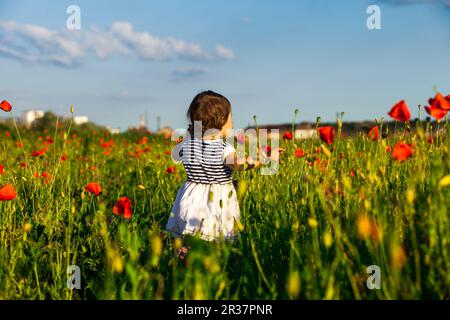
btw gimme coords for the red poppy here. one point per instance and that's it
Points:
(7, 134)
(38, 153)
(5, 106)
(1, 169)
(326, 134)
(93, 187)
(171, 169)
(299, 153)
(63, 158)
(440, 102)
(7, 193)
(287, 135)
(402, 151)
(267, 149)
(168, 152)
(23, 164)
(436, 113)
(107, 144)
(400, 111)
(374, 133)
(143, 140)
(123, 206)
(19, 144)
(48, 140)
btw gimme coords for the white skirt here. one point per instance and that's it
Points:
(209, 211)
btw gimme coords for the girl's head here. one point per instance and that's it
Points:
(212, 109)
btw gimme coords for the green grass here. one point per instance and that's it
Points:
(302, 233)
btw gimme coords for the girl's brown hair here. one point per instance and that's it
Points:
(211, 108)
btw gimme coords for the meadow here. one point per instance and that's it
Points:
(309, 232)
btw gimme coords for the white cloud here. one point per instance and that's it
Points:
(32, 43)
(224, 53)
(37, 44)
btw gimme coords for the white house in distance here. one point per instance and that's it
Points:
(303, 134)
(113, 130)
(29, 116)
(79, 120)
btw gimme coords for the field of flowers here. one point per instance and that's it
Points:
(335, 207)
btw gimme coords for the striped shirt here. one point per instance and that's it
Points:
(204, 160)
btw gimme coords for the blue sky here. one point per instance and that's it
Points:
(267, 57)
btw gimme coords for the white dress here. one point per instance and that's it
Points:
(206, 204)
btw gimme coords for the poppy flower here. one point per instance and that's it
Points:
(287, 135)
(267, 149)
(107, 144)
(7, 134)
(440, 102)
(374, 133)
(326, 134)
(7, 193)
(171, 169)
(93, 187)
(5, 106)
(123, 206)
(48, 140)
(143, 140)
(299, 153)
(436, 113)
(1, 169)
(63, 158)
(38, 153)
(402, 151)
(400, 111)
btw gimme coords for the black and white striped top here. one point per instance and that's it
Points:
(204, 160)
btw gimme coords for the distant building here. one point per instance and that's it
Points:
(29, 116)
(79, 120)
(302, 131)
(113, 130)
(303, 134)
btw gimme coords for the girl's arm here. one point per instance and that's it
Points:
(247, 163)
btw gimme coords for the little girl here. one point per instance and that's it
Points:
(206, 204)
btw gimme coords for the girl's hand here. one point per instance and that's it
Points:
(275, 154)
(255, 164)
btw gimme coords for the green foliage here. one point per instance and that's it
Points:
(308, 232)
